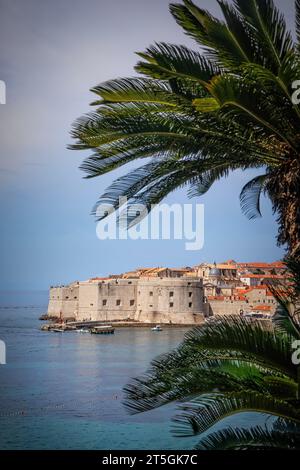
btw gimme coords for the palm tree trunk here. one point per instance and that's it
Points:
(284, 191)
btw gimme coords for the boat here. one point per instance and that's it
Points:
(256, 316)
(83, 330)
(103, 330)
(58, 330)
(156, 328)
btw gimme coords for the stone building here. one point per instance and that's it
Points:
(147, 300)
(170, 295)
(248, 299)
(63, 300)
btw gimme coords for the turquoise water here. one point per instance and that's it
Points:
(64, 391)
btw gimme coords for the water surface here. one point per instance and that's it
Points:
(64, 391)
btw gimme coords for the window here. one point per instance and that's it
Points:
(190, 294)
(75, 297)
(151, 293)
(129, 282)
(67, 297)
(132, 303)
(118, 302)
(190, 305)
(104, 302)
(171, 304)
(150, 305)
(171, 294)
(91, 305)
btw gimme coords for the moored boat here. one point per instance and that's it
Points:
(157, 328)
(103, 330)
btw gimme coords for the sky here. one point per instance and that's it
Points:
(51, 54)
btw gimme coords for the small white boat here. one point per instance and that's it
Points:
(83, 330)
(156, 328)
(58, 330)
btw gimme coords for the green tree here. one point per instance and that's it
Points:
(201, 115)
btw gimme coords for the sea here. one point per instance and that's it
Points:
(65, 390)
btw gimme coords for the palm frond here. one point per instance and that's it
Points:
(177, 376)
(202, 413)
(143, 90)
(250, 196)
(256, 437)
(230, 356)
(237, 334)
(168, 61)
(268, 27)
(297, 5)
(220, 42)
(287, 315)
(249, 105)
(283, 319)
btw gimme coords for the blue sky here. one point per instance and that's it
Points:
(51, 54)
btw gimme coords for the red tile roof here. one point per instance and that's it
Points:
(263, 276)
(262, 308)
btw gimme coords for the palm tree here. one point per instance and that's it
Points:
(228, 367)
(201, 115)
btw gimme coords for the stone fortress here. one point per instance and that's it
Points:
(169, 295)
(145, 300)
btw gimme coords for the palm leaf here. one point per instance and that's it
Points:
(287, 315)
(256, 437)
(237, 334)
(220, 42)
(250, 196)
(245, 103)
(283, 320)
(169, 61)
(268, 27)
(201, 414)
(297, 5)
(143, 90)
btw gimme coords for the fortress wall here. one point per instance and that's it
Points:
(145, 300)
(55, 305)
(228, 308)
(88, 301)
(64, 301)
(117, 299)
(169, 301)
(218, 307)
(70, 300)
